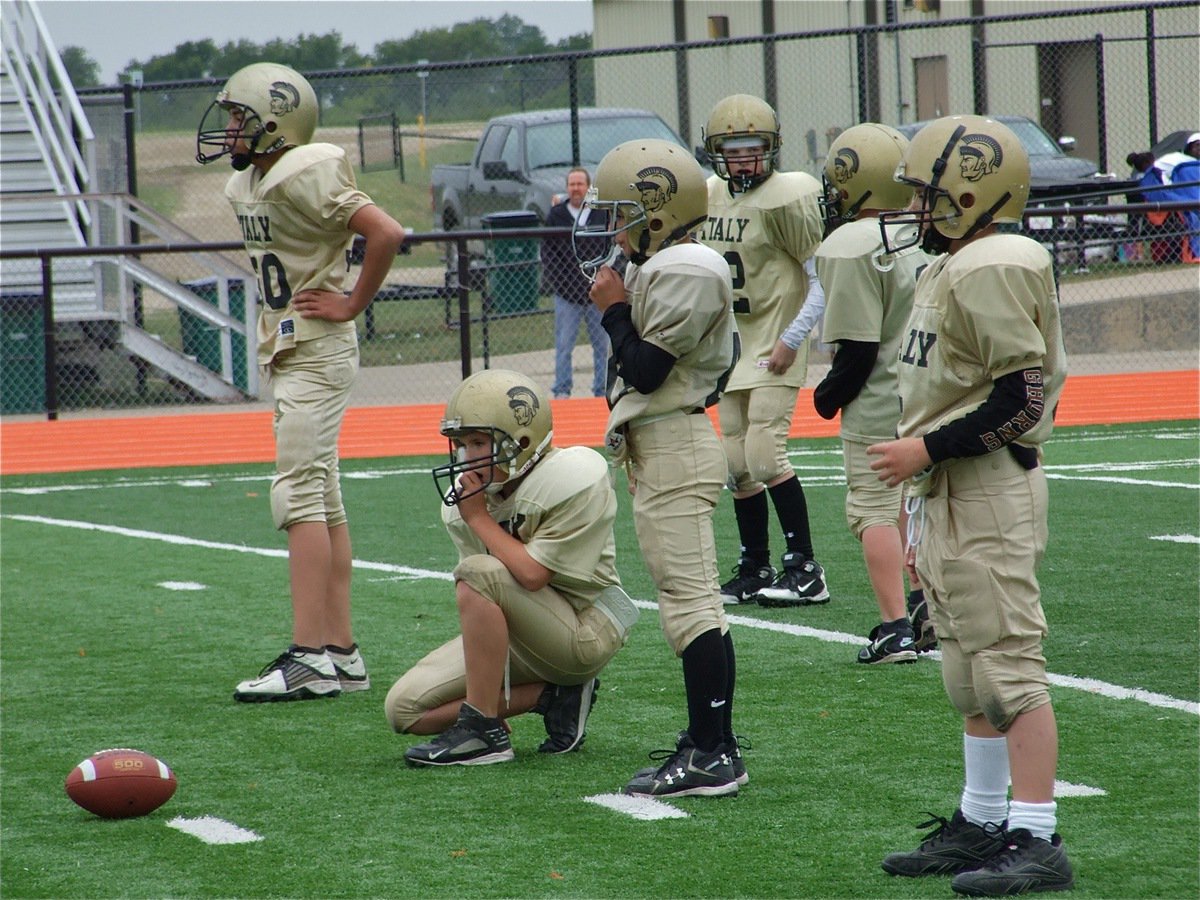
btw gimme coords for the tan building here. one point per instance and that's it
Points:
(1088, 70)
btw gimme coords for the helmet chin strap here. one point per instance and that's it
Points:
(851, 212)
(744, 183)
(986, 219)
(241, 161)
(535, 456)
(934, 242)
(495, 487)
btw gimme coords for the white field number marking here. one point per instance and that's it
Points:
(646, 809)
(212, 830)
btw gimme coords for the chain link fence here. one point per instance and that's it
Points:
(1118, 79)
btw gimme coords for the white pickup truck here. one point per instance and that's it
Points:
(521, 163)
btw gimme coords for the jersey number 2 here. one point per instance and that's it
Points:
(737, 272)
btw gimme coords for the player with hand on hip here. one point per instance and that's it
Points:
(767, 224)
(671, 326)
(539, 601)
(300, 210)
(981, 370)
(868, 296)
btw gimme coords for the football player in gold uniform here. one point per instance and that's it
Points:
(539, 600)
(670, 322)
(767, 224)
(299, 211)
(868, 296)
(981, 370)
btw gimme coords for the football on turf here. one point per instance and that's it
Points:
(119, 784)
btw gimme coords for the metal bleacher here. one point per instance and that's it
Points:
(46, 153)
(50, 199)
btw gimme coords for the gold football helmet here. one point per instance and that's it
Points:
(742, 121)
(653, 190)
(278, 109)
(510, 408)
(860, 173)
(968, 172)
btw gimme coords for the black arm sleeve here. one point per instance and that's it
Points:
(1014, 406)
(641, 364)
(852, 364)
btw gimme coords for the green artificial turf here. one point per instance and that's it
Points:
(95, 652)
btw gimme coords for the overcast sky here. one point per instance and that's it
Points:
(113, 32)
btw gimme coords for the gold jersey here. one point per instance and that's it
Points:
(681, 300)
(986, 311)
(868, 302)
(295, 221)
(563, 512)
(766, 235)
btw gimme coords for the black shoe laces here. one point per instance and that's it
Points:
(279, 662)
(662, 756)
(1015, 843)
(938, 835)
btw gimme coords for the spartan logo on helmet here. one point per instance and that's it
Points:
(657, 186)
(524, 404)
(845, 165)
(284, 98)
(979, 155)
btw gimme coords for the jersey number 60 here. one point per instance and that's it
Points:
(272, 280)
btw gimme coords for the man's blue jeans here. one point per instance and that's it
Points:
(567, 316)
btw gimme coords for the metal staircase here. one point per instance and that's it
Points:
(46, 152)
(47, 168)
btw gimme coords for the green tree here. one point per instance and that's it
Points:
(478, 39)
(189, 60)
(205, 59)
(82, 69)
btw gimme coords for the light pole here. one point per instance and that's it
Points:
(423, 75)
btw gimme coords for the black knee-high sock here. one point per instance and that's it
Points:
(792, 509)
(706, 678)
(753, 528)
(731, 677)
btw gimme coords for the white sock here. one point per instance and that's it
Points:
(985, 793)
(1040, 819)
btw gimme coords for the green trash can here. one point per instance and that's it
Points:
(22, 354)
(514, 265)
(202, 339)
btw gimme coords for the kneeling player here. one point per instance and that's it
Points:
(539, 600)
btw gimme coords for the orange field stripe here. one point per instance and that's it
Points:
(202, 439)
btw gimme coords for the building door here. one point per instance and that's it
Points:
(1067, 87)
(933, 89)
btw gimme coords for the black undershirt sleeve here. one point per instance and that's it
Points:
(642, 365)
(852, 364)
(1015, 405)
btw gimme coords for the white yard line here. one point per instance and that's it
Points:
(179, 540)
(815, 475)
(1089, 685)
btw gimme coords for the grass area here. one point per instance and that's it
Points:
(174, 184)
(409, 331)
(98, 651)
(405, 331)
